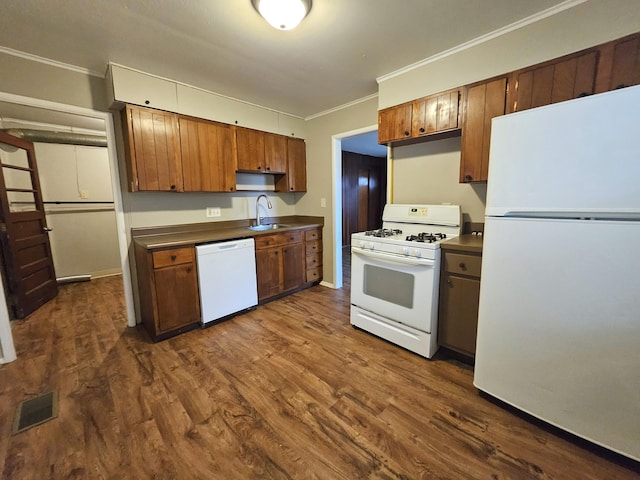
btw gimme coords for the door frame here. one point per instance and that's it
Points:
(336, 179)
(6, 339)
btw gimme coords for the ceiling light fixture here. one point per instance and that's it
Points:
(282, 14)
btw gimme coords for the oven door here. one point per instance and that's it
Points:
(402, 289)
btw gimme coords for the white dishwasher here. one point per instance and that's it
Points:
(227, 278)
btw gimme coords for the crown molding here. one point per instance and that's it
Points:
(561, 7)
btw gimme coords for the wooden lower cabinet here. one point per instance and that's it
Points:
(313, 255)
(288, 261)
(168, 289)
(458, 303)
(279, 263)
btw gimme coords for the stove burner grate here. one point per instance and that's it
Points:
(383, 232)
(426, 237)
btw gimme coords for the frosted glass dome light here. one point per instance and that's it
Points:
(283, 14)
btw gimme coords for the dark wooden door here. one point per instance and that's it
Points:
(24, 236)
(364, 186)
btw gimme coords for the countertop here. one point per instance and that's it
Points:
(153, 238)
(464, 243)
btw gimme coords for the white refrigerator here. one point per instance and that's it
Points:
(559, 316)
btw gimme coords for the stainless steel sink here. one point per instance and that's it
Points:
(268, 226)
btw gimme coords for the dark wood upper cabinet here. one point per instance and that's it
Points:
(275, 153)
(436, 113)
(558, 80)
(423, 117)
(394, 123)
(295, 179)
(483, 102)
(250, 145)
(619, 64)
(152, 149)
(208, 158)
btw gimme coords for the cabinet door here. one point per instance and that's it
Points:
(436, 113)
(250, 150)
(296, 178)
(275, 153)
(269, 272)
(293, 266)
(483, 102)
(130, 86)
(153, 150)
(625, 70)
(208, 162)
(394, 123)
(177, 300)
(458, 318)
(555, 81)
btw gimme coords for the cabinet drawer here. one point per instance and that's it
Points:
(314, 274)
(266, 241)
(314, 261)
(462, 264)
(176, 256)
(312, 248)
(311, 235)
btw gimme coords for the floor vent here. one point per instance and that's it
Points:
(35, 411)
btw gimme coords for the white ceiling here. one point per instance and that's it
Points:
(331, 59)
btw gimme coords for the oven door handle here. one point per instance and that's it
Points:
(423, 262)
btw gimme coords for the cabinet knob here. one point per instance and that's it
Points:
(268, 168)
(231, 189)
(468, 178)
(421, 129)
(291, 189)
(173, 187)
(462, 266)
(407, 133)
(189, 269)
(259, 167)
(147, 102)
(173, 258)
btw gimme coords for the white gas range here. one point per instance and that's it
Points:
(395, 273)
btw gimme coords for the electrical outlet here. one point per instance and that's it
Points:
(323, 202)
(84, 194)
(213, 212)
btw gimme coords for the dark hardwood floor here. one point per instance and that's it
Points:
(287, 391)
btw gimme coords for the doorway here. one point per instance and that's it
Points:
(46, 112)
(363, 141)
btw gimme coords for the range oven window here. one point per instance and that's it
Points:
(389, 285)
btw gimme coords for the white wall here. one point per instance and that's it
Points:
(585, 25)
(428, 173)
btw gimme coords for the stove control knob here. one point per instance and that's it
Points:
(418, 253)
(372, 247)
(362, 245)
(405, 251)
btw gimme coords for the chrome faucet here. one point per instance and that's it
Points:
(258, 205)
